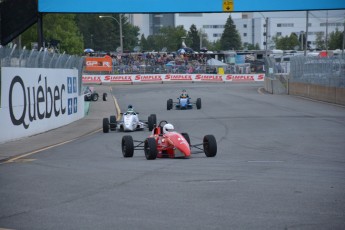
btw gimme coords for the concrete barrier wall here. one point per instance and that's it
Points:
(318, 92)
(35, 100)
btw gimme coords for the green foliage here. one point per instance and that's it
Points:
(320, 41)
(168, 37)
(193, 37)
(251, 46)
(230, 39)
(60, 27)
(335, 40)
(103, 34)
(287, 42)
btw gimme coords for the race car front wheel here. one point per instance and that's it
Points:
(113, 123)
(150, 148)
(198, 103)
(94, 97)
(210, 145)
(105, 125)
(186, 136)
(127, 146)
(152, 121)
(169, 104)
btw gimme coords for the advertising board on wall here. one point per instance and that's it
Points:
(35, 100)
(161, 78)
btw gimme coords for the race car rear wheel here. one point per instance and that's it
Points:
(169, 104)
(152, 121)
(105, 96)
(113, 123)
(150, 148)
(198, 103)
(186, 136)
(127, 146)
(210, 145)
(94, 96)
(105, 125)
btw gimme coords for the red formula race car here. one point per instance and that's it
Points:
(166, 143)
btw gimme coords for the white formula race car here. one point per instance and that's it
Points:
(129, 122)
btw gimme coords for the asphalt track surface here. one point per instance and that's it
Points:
(280, 165)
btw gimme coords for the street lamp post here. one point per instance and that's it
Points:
(120, 24)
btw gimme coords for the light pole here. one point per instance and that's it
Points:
(120, 24)
(266, 32)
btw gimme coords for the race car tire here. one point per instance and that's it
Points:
(169, 104)
(186, 136)
(94, 97)
(113, 123)
(127, 146)
(105, 96)
(150, 148)
(105, 125)
(210, 145)
(198, 103)
(152, 121)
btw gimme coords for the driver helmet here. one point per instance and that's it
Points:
(130, 106)
(168, 128)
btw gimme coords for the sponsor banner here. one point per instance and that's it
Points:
(209, 77)
(244, 77)
(96, 79)
(117, 78)
(98, 64)
(149, 78)
(178, 77)
(35, 100)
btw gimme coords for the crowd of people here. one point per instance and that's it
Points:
(162, 62)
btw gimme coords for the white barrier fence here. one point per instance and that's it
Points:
(161, 78)
(35, 100)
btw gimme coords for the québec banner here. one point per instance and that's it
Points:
(34, 100)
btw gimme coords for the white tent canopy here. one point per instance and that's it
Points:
(215, 62)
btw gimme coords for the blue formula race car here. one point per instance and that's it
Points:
(184, 102)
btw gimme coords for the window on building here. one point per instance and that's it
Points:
(279, 33)
(190, 14)
(244, 25)
(285, 25)
(244, 34)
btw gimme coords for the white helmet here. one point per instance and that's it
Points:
(168, 128)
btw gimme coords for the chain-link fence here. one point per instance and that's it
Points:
(318, 70)
(326, 71)
(12, 57)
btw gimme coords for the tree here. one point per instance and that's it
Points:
(335, 40)
(253, 47)
(103, 34)
(230, 39)
(320, 41)
(60, 31)
(287, 42)
(194, 38)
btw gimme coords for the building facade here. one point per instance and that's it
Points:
(251, 26)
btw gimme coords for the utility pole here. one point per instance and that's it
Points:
(266, 34)
(306, 35)
(327, 33)
(342, 50)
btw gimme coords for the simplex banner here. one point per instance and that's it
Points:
(161, 78)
